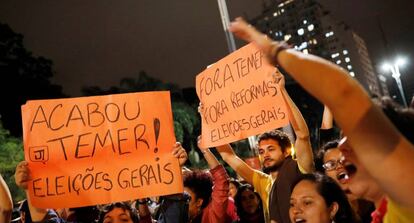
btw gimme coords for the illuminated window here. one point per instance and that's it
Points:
(338, 62)
(311, 27)
(282, 10)
(305, 51)
(328, 34)
(352, 74)
(301, 31)
(335, 55)
(305, 21)
(314, 41)
(345, 52)
(347, 59)
(287, 37)
(349, 67)
(275, 14)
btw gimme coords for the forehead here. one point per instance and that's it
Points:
(268, 142)
(116, 212)
(305, 188)
(332, 154)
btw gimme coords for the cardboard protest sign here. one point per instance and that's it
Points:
(97, 150)
(240, 98)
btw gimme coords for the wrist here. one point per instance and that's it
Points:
(277, 47)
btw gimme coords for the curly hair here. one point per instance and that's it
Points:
(201, 183)
(277, 135)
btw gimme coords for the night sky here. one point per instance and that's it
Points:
(98, 42)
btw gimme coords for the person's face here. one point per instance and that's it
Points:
(194, 207)
(232, 190)
(249, 201)
(359, 182)
(270, 153)
(118, 215)
(307, 205)
(335, 169)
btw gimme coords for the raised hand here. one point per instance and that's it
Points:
(180, 153)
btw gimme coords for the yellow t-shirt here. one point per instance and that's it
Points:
(397, 214)
(262, 183)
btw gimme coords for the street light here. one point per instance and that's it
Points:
(395, 71)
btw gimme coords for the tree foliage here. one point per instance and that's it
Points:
(24, 77)
(11, 153)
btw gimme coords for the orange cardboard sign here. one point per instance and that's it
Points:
(97, 150)
(240, 98)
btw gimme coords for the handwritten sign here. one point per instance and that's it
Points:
(97, 150)
(240, 98)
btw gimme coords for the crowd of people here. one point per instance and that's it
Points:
(361, 175)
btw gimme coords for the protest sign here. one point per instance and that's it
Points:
(102, 149)
(240, 97)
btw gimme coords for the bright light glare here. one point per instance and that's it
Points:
(386, 67)
(400, 61)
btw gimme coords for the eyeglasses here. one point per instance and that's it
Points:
(333, 164)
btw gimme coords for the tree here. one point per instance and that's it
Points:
(11, 153)
(24, 77)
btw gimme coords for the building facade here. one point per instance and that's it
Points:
(309, 28)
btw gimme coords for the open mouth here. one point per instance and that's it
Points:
(342, 177)
(350, 169)
(299, 220)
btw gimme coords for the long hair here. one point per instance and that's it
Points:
(238, 201)
(332, 192)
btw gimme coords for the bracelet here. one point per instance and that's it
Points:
(277, 47)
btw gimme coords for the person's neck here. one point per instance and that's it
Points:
(274, 174)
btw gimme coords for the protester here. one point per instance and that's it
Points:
(371, 135)
(6, 202)
(249, 205)
(119, 213)
(278, 165)
(329, 160)
(233, 187)
(208, 191)
(317, 198)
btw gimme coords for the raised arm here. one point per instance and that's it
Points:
(303, 146)
(327, 118)
(370, 133)
(236, 163)
(6, 202)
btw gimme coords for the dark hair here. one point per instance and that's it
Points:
(84, 214)
(402, 118)
(277, 135)
(201, 183)
(235, 182)
(321, 154)
(332, 192)
(238, 201)
(124, 206)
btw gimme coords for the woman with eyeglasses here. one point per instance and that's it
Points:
(329, 160)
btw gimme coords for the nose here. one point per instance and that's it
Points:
(296, 209)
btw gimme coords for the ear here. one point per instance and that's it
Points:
(199, 202)
(333, 209)
(287, 152)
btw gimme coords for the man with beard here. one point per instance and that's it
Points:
(278, 166)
